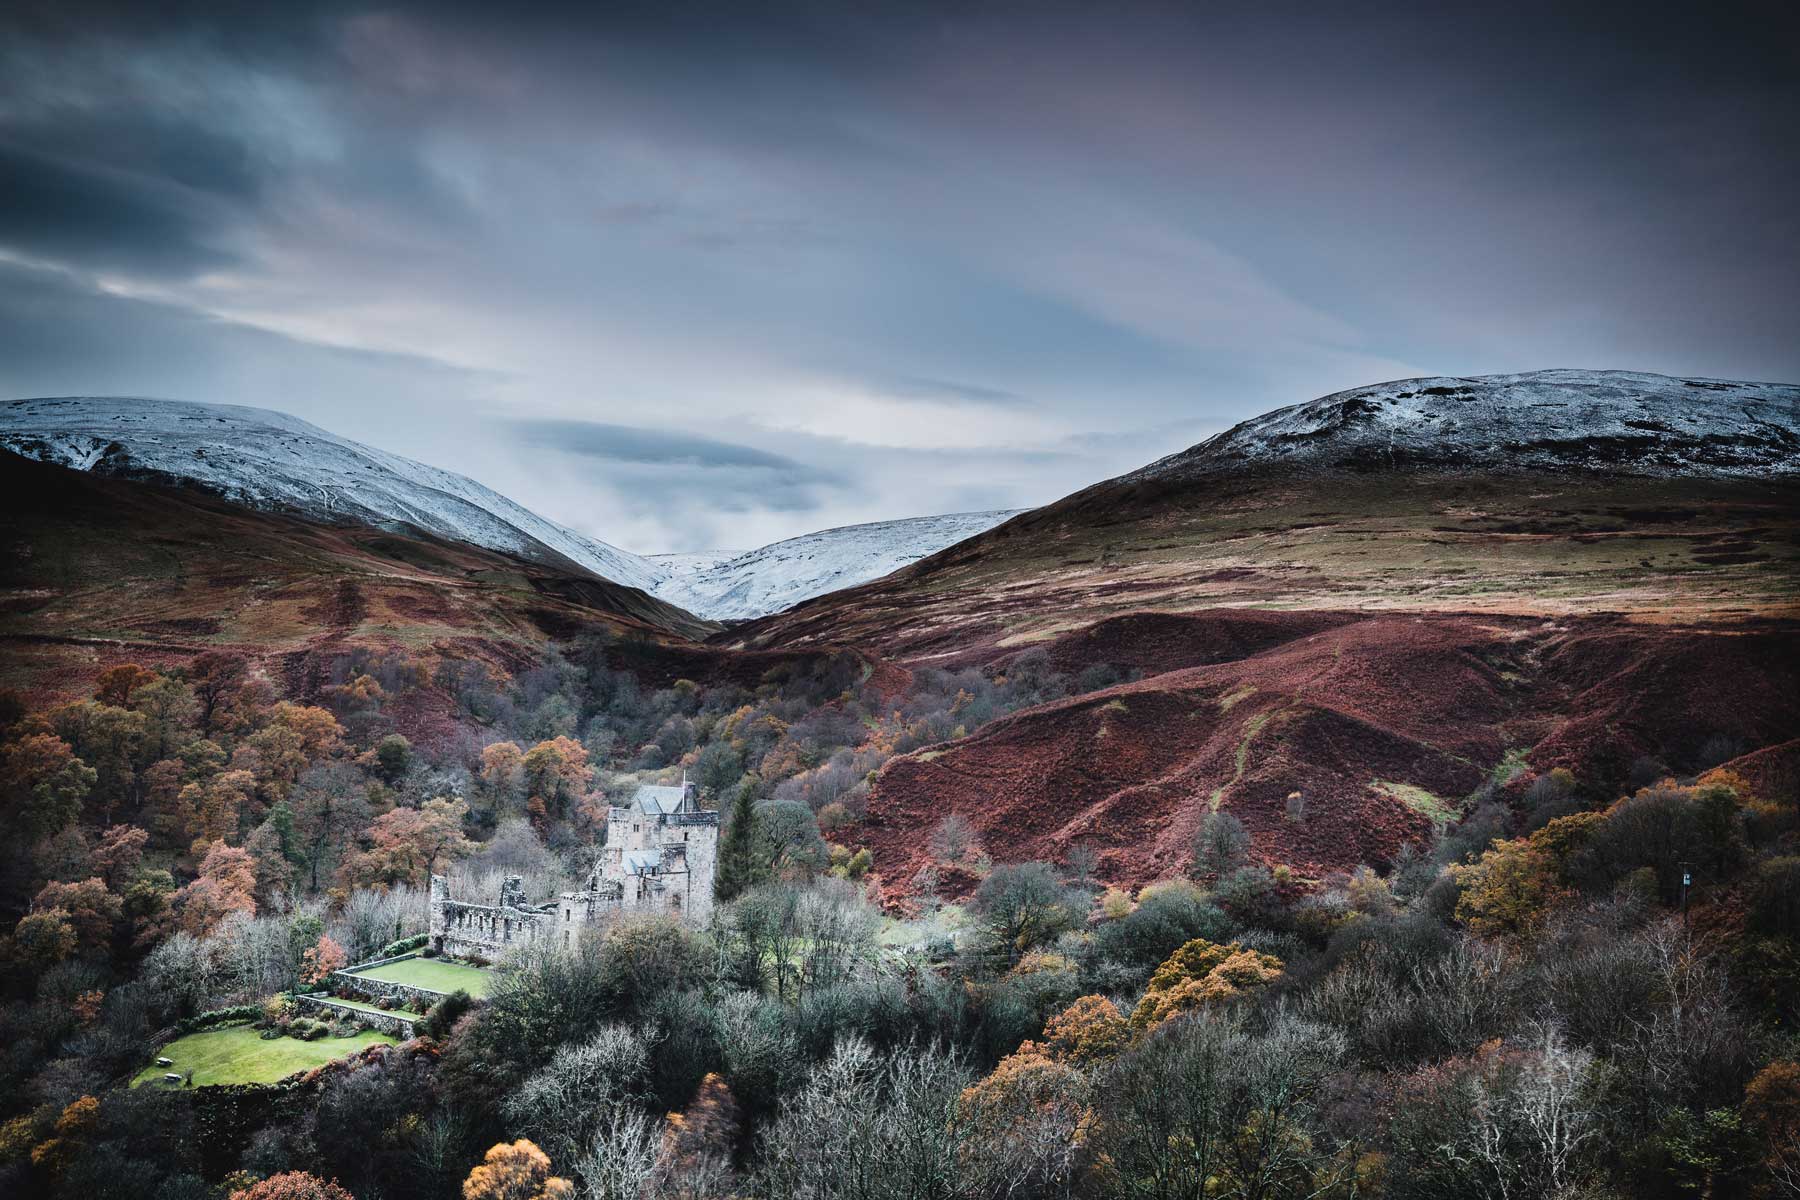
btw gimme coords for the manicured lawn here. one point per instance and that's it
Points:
(240, 1055)
(436, 974)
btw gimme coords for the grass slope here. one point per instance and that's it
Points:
(240, 1055)
(434, 974)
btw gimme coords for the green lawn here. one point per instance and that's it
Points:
(240, 1055)
(435, 974)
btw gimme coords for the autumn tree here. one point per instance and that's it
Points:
(117, 854)
(116, 684)
(697, 1142)
(44, 784)
(1509, 890)
(41, 940)
(1089, 1031)
(503, 775)
(516, 1171)
(214, 807)
(321, 959)
(296, 737)
(226, 884)
(408, 845)
(1024, 1124)
(111, 740)
(293, 1185)
(1201, 973)
(91, 910)
(557, 774)
(216, 676)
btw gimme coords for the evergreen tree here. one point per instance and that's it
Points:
(737, 866)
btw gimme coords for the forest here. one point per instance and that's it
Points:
(1579, 987)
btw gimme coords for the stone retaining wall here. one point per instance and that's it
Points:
(395, 1023)
(411, 995)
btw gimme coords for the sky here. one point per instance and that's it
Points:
(692, 276)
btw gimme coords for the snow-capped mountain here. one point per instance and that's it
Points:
(269, 460)
(1619, 421)
(778, 576)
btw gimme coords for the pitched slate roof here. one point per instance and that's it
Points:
(660, 799)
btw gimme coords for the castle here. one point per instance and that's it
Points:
(659, 856)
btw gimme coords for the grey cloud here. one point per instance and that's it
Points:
(625, 443)
(70, 212)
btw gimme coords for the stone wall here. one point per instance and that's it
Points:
(383, 989)
(324, 1006)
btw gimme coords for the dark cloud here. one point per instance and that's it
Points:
(624, 443)
(101, 217)
(750, 269)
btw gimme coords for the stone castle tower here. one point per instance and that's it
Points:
(660, 855)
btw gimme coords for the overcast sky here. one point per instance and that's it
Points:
(692, 276)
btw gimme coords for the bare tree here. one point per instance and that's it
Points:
(621, 1160)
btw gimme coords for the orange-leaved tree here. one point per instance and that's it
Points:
(515, 1171)
(1202, 973)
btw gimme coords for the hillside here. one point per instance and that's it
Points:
(98, 569)
(771, 578)
(269, 460)
(1376, 600)
(1671, 499)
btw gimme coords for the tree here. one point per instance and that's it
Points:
(503, 773)
(408, 845)
(953, 839)
(736, 866)
(1508, 891)
(1772, 1107)
(91, 910)
(296, 737)
(563, 1103)
(557, 774)
(1199, 974)
(1221, 845)
(111, 740)
(216, 805)
(41, 940)
(215, 676)
(788, 844)
(116, 684)
(1089, 1031)
(226, 885)
(519, 1171)
(44, 784)
(393, 758)
(697, 1143)
(1024, 1125)
(118, 853)
(622, 1157)
(293, 1185)
(320, 960)
(1022, 905)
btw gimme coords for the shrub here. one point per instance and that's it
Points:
(443, 1015)
(404, 946)
(1202, 973)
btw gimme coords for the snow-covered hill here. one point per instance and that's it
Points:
(778, 576)
(269, 460)
(1618, 421)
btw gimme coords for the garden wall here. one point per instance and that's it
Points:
(399, 1025)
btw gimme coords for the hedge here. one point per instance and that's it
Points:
(404, 945)
(217, 1017)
